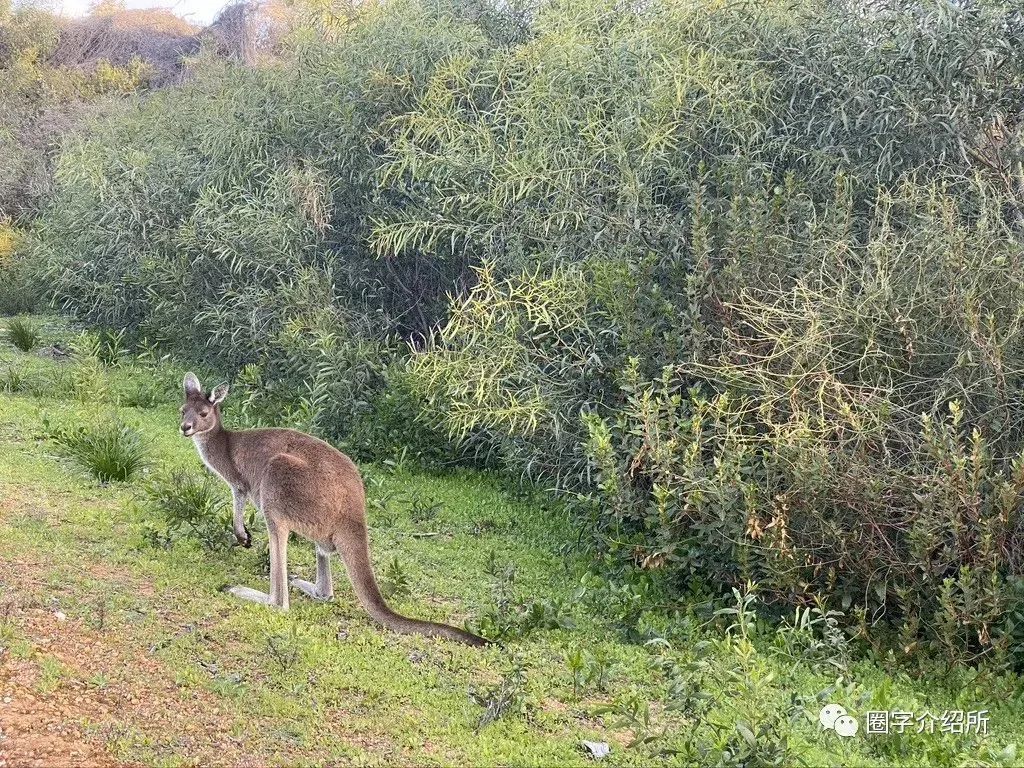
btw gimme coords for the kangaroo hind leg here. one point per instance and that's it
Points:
(278, 597)
(323, 590)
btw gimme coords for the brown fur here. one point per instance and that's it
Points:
(300, 484)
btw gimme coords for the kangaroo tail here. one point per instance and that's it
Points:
(355, 553)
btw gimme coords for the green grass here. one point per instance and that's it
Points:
(111, 451)
(323, 684)
(23, 334)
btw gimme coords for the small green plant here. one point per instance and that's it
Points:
(505, 698)
(23, 334)
(12, 381)
(285, 649)
(632, 711)
(111, 451)
(686, 678)
(510, 617)
(188, 504)
(111, 348)
(423, 510)
(814, 636)
(621, 601)
(52, 675)
(99, 681)
(395, 580)
(380, 501)
(88, 376)
(576, 664)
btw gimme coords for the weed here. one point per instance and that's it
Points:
(632, 712)
(743, 743)
(508, 696)
(395, 580)
(52, 674)
(685, 682)
(814, 636)
(621, 602)
(110, 346)
(285, 649)
(12, 381)
(23, 334)
(88, 380)
(423, 510)
(574, 662)
(510, 618)
(99, 681)
(380, 500)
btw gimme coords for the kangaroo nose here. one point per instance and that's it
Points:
(186, 426)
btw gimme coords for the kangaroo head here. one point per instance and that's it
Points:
(201, 412)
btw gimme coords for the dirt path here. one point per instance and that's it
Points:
(46, 730)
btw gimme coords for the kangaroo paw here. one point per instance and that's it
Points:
(252, 595)
(309, 589)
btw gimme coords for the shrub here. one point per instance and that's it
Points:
(23, 334)
(111, 452)
(188, 504)
(861, 440)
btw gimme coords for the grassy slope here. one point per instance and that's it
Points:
(180, 673)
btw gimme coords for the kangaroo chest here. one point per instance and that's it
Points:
(214, 459)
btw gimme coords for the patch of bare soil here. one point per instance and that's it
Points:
(79, 695)
(45, 730)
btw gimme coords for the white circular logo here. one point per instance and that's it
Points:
(846, 726)
(829, 714)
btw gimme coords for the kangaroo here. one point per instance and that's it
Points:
(300, 484)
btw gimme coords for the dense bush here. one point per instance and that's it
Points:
(702, 266)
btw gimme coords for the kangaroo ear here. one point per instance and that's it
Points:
(219, 393)
(192, 385)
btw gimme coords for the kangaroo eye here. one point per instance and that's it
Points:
(204, 414)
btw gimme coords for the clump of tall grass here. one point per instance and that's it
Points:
(23, 334)
(111, 452)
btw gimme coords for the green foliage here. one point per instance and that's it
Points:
(708, 689)
(512, 616)
(395, 580)
(504, 699)
(23, 334)
(112, 451)
(187, 504)
(700, 267)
